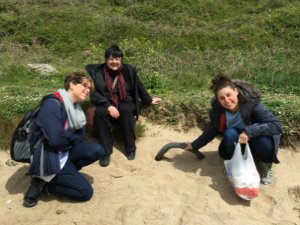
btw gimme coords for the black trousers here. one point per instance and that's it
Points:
(104, 123)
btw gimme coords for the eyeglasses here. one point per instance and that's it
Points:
(86, 85)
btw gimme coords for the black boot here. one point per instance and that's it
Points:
(35, 189)
(130, 155)
(105, 161)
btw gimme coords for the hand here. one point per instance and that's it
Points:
(156, 101)
(189, 146)
(243, 138)
(113, 112)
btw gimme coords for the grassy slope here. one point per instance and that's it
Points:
(176, 45)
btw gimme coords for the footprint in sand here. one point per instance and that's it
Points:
(294, 192)
(121, 215)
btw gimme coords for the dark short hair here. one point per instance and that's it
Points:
(78, 77)
(113, 51)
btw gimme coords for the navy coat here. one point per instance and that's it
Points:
(259, 121)
(52, 124)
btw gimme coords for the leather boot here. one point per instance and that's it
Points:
(34, 190)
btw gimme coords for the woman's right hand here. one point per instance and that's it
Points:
(113, 112)
(243, 138)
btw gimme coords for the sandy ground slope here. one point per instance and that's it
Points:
(179, 190)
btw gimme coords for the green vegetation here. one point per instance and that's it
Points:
(177, 46)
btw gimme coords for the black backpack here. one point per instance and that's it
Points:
(23, 142)
(247, 89)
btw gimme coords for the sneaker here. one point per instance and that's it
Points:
(34, 191)
(130, 155)
(105, 161)
(266, 173)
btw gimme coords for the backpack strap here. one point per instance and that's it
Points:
(58, 96)
(62, 101)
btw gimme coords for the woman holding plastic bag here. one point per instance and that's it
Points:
(239, 117)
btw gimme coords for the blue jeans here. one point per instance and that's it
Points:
(69, 182)
(261, 146)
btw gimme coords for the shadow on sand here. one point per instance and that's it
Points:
(19, 181)
(211, 166)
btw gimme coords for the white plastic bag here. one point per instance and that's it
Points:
(242, 173)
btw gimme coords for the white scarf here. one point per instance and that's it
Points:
(76, 116)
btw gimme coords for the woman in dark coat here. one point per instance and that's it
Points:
(239, 117)
(118, 91)
(63, 152)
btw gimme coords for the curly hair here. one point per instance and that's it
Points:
(219, 82)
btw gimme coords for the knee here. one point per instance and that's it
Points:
(86, 195)
(230, 134)
(226, 151)
(100, 112)
(263, 147)
(127, 109)
(96, 151)
(124, 111)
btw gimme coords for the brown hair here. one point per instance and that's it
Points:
(78, 77)
(221, 81)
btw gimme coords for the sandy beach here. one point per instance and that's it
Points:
(178, 190)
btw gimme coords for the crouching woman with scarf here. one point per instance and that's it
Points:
(62, 153)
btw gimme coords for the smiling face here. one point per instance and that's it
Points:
(114, 63)
(228, 98)
(79, 92)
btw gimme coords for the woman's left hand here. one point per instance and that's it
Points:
(189, 146)
(243, 138)
(156, 101)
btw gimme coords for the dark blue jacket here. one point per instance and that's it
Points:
(52, 124)
(259, 121)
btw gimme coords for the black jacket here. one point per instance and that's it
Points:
(101, 95)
